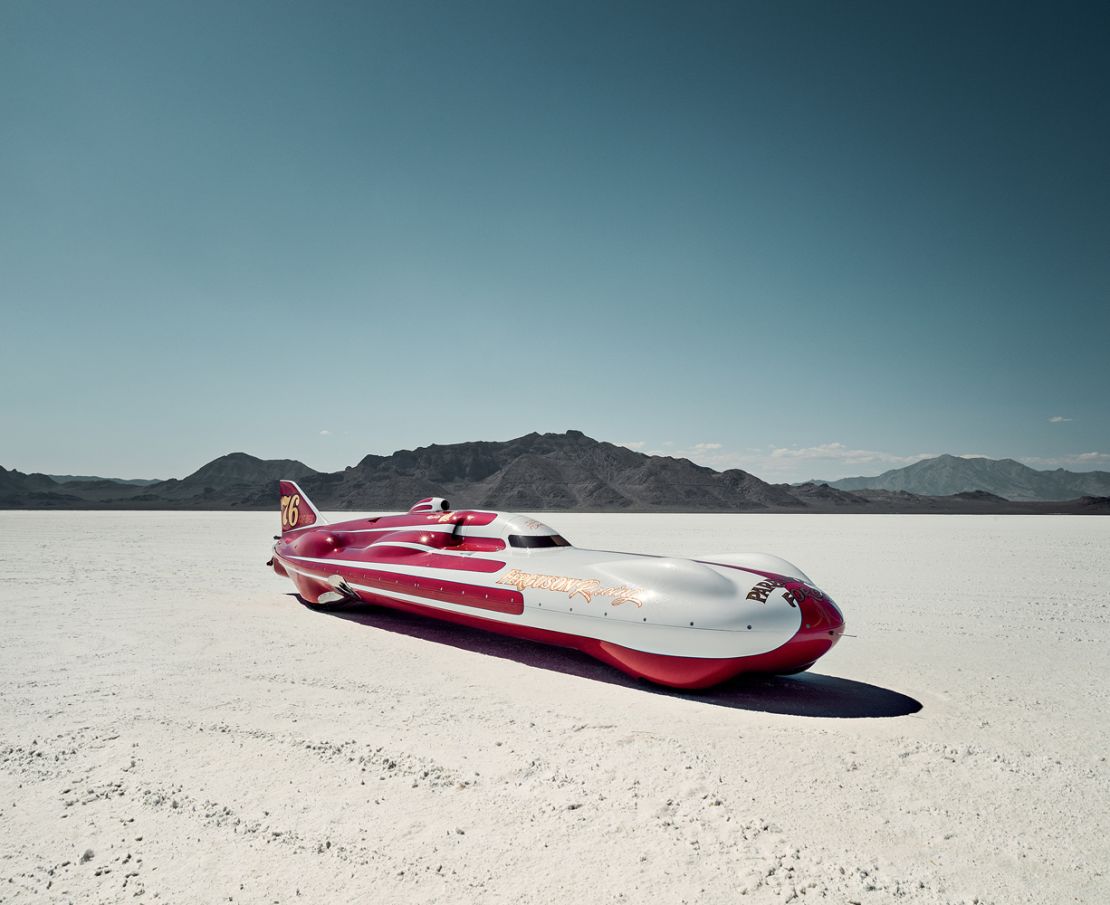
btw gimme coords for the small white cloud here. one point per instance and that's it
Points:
(838, 452)
(827, 460)
(639, 444)
(1067, 461)
(1058, 419)
(325, 433)
(787, 463)
(824, 451)
(972, 456)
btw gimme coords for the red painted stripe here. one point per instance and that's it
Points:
(481, 544)
(385, 553)
(411, 520)
(438, 539)
(473, 517)
(468, 517)
(443, 540)
(498, 600)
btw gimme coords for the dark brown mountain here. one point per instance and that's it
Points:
(545, 471)
(567, 471)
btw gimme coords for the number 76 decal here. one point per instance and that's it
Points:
(290, 510)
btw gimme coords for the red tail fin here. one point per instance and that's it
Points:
(297, 510)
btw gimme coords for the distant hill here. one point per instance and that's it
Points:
(567, 471)
(1006, 478)
(231, 481)
(17, 480)
(240, 468)
(32, 491)
(236, 480)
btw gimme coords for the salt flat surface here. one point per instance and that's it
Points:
(166, 705)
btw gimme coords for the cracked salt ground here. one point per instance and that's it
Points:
(176, 728)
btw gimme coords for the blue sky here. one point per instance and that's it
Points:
(807, 239)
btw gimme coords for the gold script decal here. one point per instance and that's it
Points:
(586, 588)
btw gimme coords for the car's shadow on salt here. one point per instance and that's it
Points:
(808, 694)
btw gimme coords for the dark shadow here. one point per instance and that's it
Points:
(807, 694)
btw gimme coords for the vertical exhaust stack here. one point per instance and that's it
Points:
(431, 504)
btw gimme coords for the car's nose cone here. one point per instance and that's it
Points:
(821, 627)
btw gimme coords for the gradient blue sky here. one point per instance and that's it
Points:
(807, 239)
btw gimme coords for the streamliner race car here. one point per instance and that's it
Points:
(685, 623)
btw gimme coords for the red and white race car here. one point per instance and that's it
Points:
(686, 623)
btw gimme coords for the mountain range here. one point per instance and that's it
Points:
(1006, 478)
(565, 472)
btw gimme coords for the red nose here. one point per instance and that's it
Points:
(822, 625)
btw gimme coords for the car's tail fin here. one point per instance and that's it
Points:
(297, 510)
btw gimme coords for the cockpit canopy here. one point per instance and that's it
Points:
(538, 540)
(527, 533)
